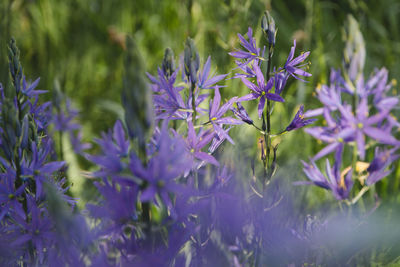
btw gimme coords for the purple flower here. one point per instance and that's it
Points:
(280, 81)
(251, 53)
(216, 113)
(330, 96)
(378, 165)
(38, 231)
(64, 121)
(196, 142)
(29, 90)
(248, 71)
(222, 178)
(339, 183)
(115, 148)
(334, 136)
(169, 162)
(299, 121)
(9, 195)
(41, 113)
(164, 81)
(38, 167)
(261, 90)
(168, 102)
(360, 125)
(219, 139)
(241, 113)
(204, 82)
(292, 65)
(111, 208)
(76, 142)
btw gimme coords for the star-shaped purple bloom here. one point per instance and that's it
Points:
(9, 195)
(361, 125)
(339, 184)
(38, 167)
(39, 231)
(169, 162)
(115, 147)
(299, 121)
(196, 142)
(261, 90)
(251, 53)
(204, 82)
(292, 64)
(241, 113)
(378, 165)
(216, 113)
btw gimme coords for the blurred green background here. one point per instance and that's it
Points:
(81, 44)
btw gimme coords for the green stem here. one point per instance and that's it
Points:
(267, 133)
(18, 181)
(145, 205)
(359, 195)
(355, 151)
(192, 88)
(60, 144)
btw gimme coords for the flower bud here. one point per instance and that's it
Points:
(268, 27)
(25, 132)
(15, 65)
(191, 60)
(136, 96)
(168, 64)
(354, 52)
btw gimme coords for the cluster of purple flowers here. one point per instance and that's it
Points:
(165, 198)
(31, 180)
(357, 114)
(267, 89)
(175, 192)
(156, 200)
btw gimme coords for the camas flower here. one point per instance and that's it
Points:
(334, 136)
(360, 125)
(339, 183)
(299, 121)
(29, 90)
(206, 83)
(9, 194)
(111, 207)
(377, 168)
(38, 231)
(169, 162)
(216, 113)
(280, 81)
(196, 142)
(115, 147)
(251, 53)
(241, 113)
(261, 90)
(292, 64)
(38, 166)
